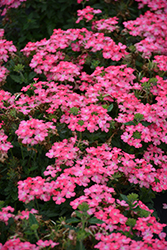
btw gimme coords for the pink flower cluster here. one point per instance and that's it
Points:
(87, 13)
(16, 244)
(161, 62)
(97, 196)
(50, 53)
(145, 230)
(120, 241)
(105, 25)
(154, 114)
(25, 214)
(91, 117)
(33, 131)
(5, 214)
(153, 4)
(8, 4)
(6, 49)
(5, 96)
(82, 102)
(152, 27)
(65, 152)
(4, 144)
(78, 112)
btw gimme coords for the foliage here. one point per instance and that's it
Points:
(82, 124)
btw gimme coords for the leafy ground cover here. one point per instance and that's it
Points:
(83, 124)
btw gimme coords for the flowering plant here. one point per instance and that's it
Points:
(83, 130)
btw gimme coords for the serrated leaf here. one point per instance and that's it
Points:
(72, 220)
(139, 116)
(31, 75)
(84, 207)
(131, 222)
(153, 80)
(79, 214)
(129, 123)
(74, 110)
(80, 122)
(14, 195)
(94, 220)
(137, 209)
(105, 106)
(156, 180)
(132, 197)
(145, 124)
(116, 175)
(144, 213)
(124, 197)
(136, 135)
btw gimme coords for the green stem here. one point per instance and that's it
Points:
(22, 151)
(36, 234)
(11, 152)
(22, 76)
(37, 205)
(80, 245)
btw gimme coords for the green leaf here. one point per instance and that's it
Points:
(129, 123)
(136, 135)
(31, 75)
(80, 122)
(110, 107)
(79, 245)
(19, 68)
(94, 220)
(138, 117)
(145, 124)
(74, 110)
(105, 106)
(144, 213)
(156, 180)
(14, 195)
(34, 227)
(72, 220)
(17, 79)
(81, 235)
(32, 219)
(116, 176)
(94, 64)
(137, 209)
(29, 232)
(1, 204)
(84, 207)
(132, 197)
(139, 64)
(131, 222)
(79, 214)
(50, 27)
(153, 80)
(124, 197)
